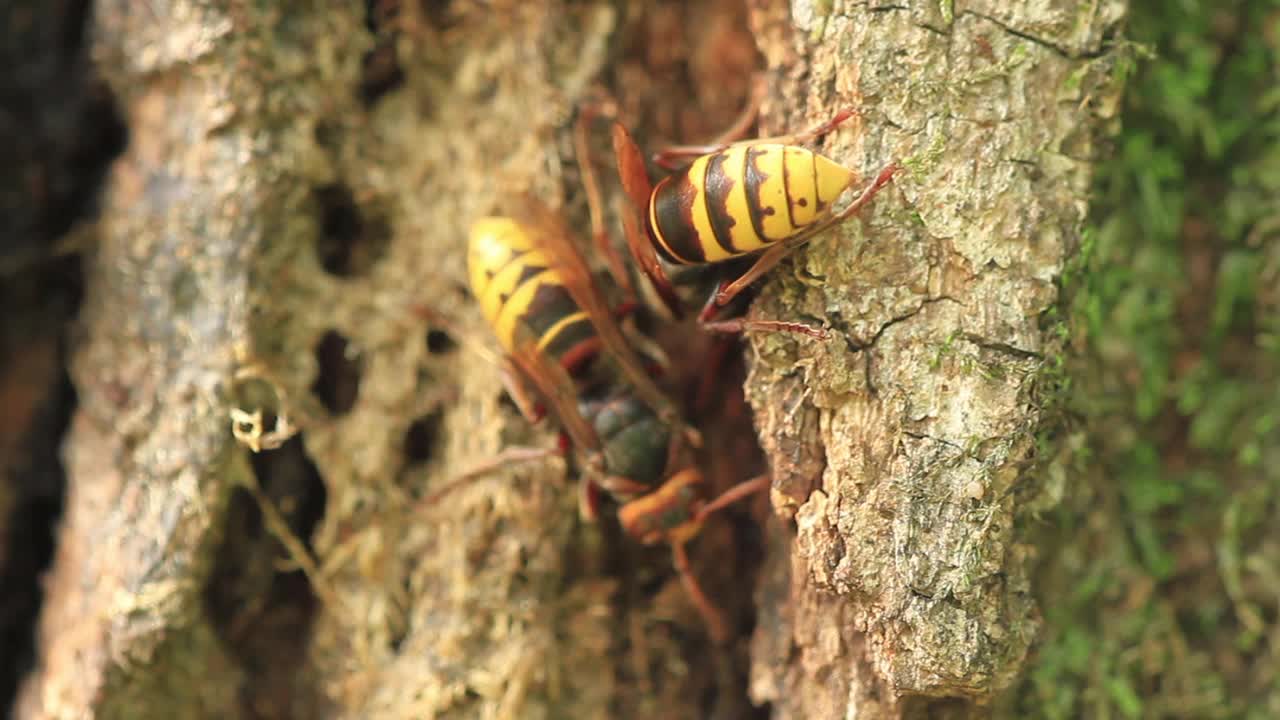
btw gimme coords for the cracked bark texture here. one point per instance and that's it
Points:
(300, 178)
(898, 582)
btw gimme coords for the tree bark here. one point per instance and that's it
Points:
(900, 584)
(297, 191)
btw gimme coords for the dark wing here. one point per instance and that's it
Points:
(553, 237)
(555, 386)
(595, 203)
(635, 181)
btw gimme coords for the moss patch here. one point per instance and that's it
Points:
(1160, 589)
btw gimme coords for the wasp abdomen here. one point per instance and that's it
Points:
(742, 199)
(517, 287)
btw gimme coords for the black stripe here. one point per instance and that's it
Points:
(528, 273)
(817, 194)
(673, 210)
(786, 188)
(754, 179)
(568, 337)
(548, 306)
(512, 259)
(657, 246)
(716, 187)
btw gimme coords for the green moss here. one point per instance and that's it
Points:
(921, 164)
(1158, 591)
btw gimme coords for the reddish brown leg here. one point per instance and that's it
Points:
(882, 178)
(635, 181)
(673, 157)
(625, 310)
(622, 486)
(732, 495)
(814, 132)
(463, 336)
(588, 499)
(717, 627)
(520, 395)
(668, 156)
(507, 456)
(774, 255)
(736, 326)
(766, 262)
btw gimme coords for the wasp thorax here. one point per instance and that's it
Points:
(634, 440)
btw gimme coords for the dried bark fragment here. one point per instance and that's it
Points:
(906, 582)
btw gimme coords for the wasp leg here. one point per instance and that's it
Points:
(520, 395)
(735, 326)
(516, 454)
(588, 499)
(667, 158)
(763, 264)
(622, 486)
(738, 325)
(595, 202)
(882, 178)
(673, 157)
(812, 133)
(717, 627)
(732, 495)
(774, 255)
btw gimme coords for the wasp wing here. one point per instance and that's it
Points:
(553, 238)
(635, 182)
(555, 387)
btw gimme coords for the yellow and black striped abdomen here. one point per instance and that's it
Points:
(742, 199)
(517, 287)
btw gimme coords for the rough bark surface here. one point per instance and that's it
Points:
(298, 184)
(905, 588)
(297, 189)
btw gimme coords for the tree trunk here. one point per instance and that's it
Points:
(289, 220)
(903, 584)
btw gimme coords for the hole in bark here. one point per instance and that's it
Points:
(422, 437)
(350, 241)
(338, 383)
(440, 342)
(36, 403)
(328, 135)
(440, 13)
(257, 600)
(380, 71)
